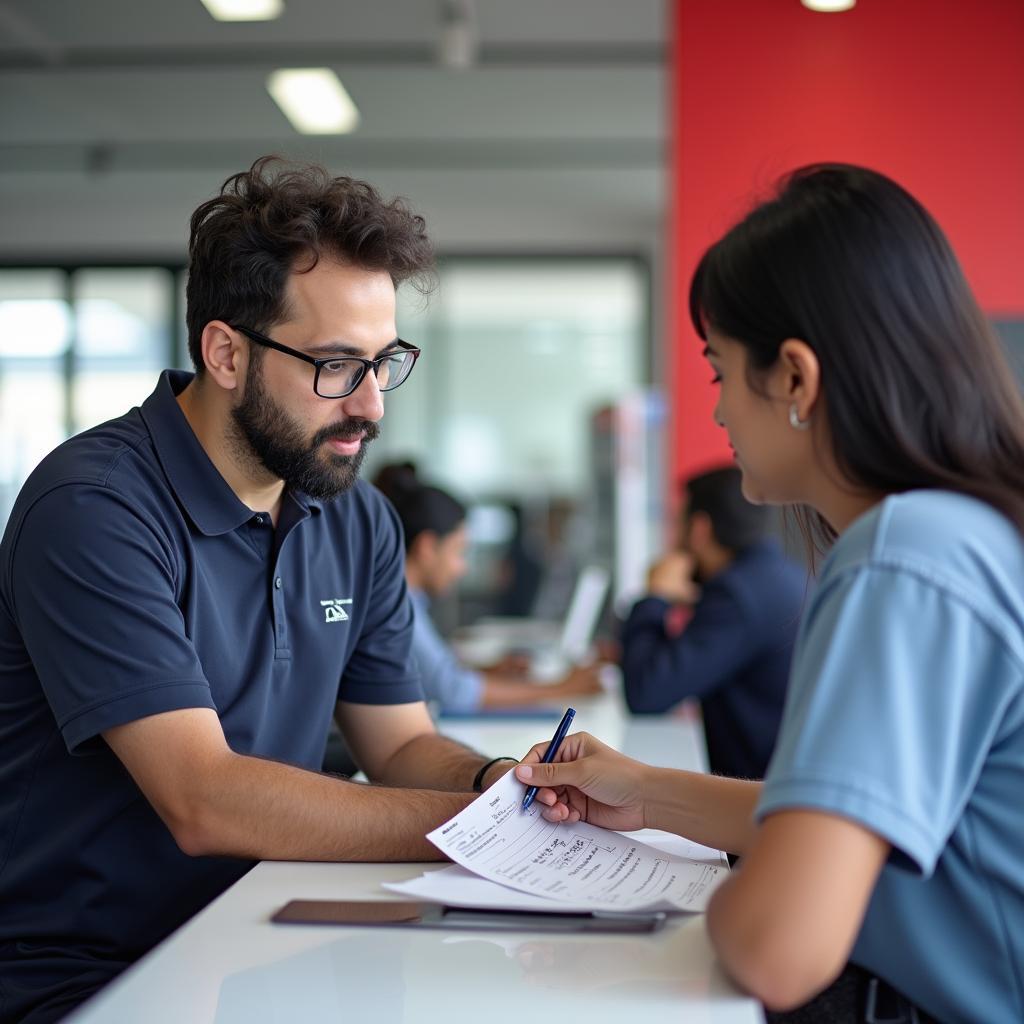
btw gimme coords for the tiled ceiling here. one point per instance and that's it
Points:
(118, 116)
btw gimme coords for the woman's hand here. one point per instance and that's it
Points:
(587, 781)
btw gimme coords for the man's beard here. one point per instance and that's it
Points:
(269, 436)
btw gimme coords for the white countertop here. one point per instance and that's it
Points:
(230, 965)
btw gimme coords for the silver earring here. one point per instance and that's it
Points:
(794, 419)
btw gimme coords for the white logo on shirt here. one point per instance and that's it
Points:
(333, 610)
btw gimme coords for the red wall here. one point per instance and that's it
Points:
(930, 92)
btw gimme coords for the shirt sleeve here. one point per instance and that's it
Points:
(892, 709)
(660, 670)
(381, 669)
(93, 588)
(445, 680)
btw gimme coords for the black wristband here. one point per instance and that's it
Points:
(478, 780)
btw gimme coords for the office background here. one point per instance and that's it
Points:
(572, 158)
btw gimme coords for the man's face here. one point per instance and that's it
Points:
(683, 537)
(693, 531)
(316, 444)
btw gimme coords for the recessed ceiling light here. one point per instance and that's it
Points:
(828, 6)
(314, 100)
(244, 10)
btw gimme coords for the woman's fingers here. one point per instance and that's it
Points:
(565, 773)
(573, 746)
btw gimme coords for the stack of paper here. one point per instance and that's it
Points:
(510, 859)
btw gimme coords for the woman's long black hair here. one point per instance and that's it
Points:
(918, 393)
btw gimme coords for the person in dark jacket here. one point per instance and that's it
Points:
(718, 624)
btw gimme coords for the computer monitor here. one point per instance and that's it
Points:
(584, 612)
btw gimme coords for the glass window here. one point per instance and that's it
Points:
(181, 356)
(518, 353)
(35, 333)
(122, 339)
(532, 352)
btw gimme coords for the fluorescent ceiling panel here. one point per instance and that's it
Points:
(244, 10)
(828, 6)
(314, 100)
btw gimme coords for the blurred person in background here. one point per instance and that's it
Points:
(434, 523)
(718, 623)
(563, 526)
(522, 566)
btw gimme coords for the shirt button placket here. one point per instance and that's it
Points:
(280, 631)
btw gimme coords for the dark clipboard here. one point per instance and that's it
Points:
(412, 914)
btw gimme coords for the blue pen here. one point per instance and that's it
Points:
(549, 754)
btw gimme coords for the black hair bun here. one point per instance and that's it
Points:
(397, 479)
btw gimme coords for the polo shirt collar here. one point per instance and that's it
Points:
(204, 494)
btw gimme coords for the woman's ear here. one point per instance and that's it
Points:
(801, 376)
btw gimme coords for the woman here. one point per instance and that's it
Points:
(434, 524)
(860, 380)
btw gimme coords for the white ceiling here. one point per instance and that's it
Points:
(117, 117)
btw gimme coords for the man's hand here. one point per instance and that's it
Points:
(671, 579)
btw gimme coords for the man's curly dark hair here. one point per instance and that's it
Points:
(278, 218)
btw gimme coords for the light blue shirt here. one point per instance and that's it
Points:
(445, 681)
(906, 714)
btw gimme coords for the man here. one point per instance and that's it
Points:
(734, 650)
(188, 592)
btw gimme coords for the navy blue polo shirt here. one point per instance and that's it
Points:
(133, 582)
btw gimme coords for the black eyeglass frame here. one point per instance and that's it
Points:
(364, 364)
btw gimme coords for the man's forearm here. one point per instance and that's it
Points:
(435, 761)
(265, 810)
(708, 809)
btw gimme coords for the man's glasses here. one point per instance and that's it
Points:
(338, 376)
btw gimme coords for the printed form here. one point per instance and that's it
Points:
(588, 867)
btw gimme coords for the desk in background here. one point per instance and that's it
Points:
(228, 965)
